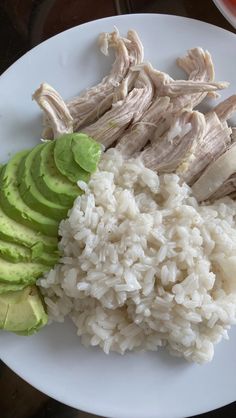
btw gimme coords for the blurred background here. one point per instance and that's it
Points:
(23, 25)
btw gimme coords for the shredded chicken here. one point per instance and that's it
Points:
(112, 124)
(87, 107)
(145, 112)
(137, 136)
(57, 117)
(166, 154)
(198, 66)
(225, 109)
(200, 70)
(180, 87)
(216, 175)
(233, 134)
(210, 146)
(166, 86)
(135, 47)
(227, 188)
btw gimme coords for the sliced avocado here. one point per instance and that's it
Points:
(12, 231)
(17, 253)
(86, 151)
(21, 272)
(22, 311)
(14, 252)
(40, 255)
(50, 182)
(64, 159)
(30, 193)
(11, 287)
(14, 206)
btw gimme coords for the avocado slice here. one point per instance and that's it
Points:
(21, 272)
(30, 193)
(17, 253)
(14, 252)
(49, 181)
(64, 159)
(12, 231)
(22, 311)
(86, 151)
(11, 287)
(14, 206)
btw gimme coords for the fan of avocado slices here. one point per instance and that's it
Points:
(37, 188)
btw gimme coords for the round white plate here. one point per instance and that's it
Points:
(144, 385)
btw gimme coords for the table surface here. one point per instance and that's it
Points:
(24, 24)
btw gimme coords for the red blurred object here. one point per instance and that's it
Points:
(231, 4)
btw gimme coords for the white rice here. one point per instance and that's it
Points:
(144, 266)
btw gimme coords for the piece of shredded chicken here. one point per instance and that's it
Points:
(139, 133)
(90, 105)
(216, 175)
(199, 67)
(226, 108)
(214, 142)
(112, 124)
(233, 134)
(166, 86)
(57, 118)
(168, 152)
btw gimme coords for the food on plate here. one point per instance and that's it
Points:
(146, 253)
(144, 265)
(85, 108)
(38, 187)
(22, 311)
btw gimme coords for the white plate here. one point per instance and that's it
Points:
(228, 10)
(147, 385)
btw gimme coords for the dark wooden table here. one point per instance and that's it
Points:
(24, 24)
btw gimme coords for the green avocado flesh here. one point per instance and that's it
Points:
(37, 188)
(30, 193)
(13, 205)
(86, 152)
(10, 287)
(13, 231)
(50, 182)
(22, 311)
(17, 253)
(65, 161)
